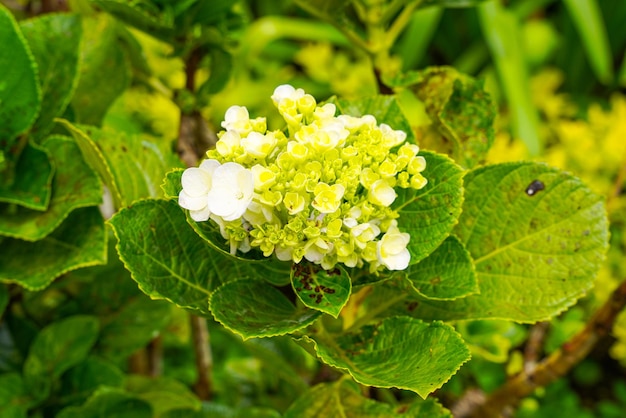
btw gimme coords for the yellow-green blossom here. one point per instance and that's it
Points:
(321, 190)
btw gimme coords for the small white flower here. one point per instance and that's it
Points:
(286, 91)
(257, 145)
(228, 143)
(316, 250)
(364, 233)
(326, 112)
(264, 178)
(197, 182)
(237, 119)
(391, 137)
(392, 251)
(381, 193)
(258, 214)
(233, 187)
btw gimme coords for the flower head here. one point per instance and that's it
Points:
(321, 190)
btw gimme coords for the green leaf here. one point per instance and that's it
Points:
(343, 398)
(252, 308)
(133, 327)
(74, 185)
(81, 381)
(58, 347)
(162, 394)
(424, 355)
(101, 54)
(34, 265)
(108, 402)
(55, 41)
(325, 290)
(172, 183)
(461, 111)
(588, 20)
(131, 167)
(501, 30)
(214, 409)
(20, 96)
(384, 108)
(219, 70)
(30, 188)
(537, 236)
(14, 400)
(208, 12)
(448, 273)
(166, 258)
(142, 15)
(210, 232)
(429, 214)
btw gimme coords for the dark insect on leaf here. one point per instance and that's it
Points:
(535, 187)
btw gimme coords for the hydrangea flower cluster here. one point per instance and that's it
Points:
(321, 190)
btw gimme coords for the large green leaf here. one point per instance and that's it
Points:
(101, 54)
(162, 394)
(132, 168)
(214, 409)
(461, 111)
(343, 398)
(14, 400)
(166, 258)
(108, 402)
(55, 41)
(324, 290)
(429, 214)
(142, 15)
(448, 273)
(133, 327)
(537, 236)
(256, 309)
(80, 241)
(74, 185)
(82, 380)
(58, 347)
(31, 188)
(20, 96)
(424, 356)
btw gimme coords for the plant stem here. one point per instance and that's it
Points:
(204, 359)
(155, 357)
(557, 364)
(532, 351)
(400, 23)
(194, 135)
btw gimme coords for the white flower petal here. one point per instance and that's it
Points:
(233, 187)
(209, 166)
(381, 193)
(196, 182)
(200, 215)
(192, 202)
